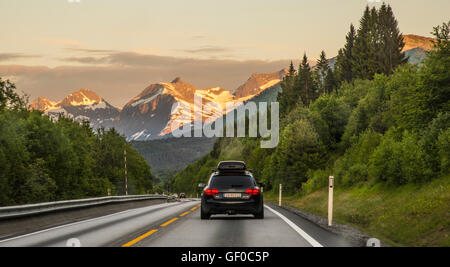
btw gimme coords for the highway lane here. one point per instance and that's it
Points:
(243, 231)
(178, 225)
(102, 231)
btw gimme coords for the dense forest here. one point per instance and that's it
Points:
(373, 118)
(170, 155)
(43, 160)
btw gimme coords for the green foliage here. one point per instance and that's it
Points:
(42, 160)
(385, 163)
(364, 64)
(299, 150)
(301, 88)
(345, 58)
(334, 113)
(375, 48)
(444, 151)
(9, 99)
(322, 68)
(390, 129)
(317, 179)
(168, 156)
(410, 215)
(351, 168)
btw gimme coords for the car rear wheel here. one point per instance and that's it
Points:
(204, 215)
(260, 215)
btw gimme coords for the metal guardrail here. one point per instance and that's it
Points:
(36, 209)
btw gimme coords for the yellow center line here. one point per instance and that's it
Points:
(132, 242)
(187, 212)
(169, 222)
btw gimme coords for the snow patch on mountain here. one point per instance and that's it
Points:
(148, 99)
(140, 136)
(95, 106)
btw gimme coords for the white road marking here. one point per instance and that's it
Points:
(76, 223)
(307, 237)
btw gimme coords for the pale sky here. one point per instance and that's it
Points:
(118, 47)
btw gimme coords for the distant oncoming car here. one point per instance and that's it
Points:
(182, 195)
(232, 189)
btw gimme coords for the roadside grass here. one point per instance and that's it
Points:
(411, 215)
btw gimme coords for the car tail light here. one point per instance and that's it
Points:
(211, 192)
(252, 192)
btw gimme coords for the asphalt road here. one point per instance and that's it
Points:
(178, 225)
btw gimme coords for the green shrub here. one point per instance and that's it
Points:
(444, 151)
(317, 179)
(386, 163)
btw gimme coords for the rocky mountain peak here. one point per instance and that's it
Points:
(415, 41)
(258, 82)
(42, 103)
(82, 97)
(177, 80)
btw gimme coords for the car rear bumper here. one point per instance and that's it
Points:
(231, 207)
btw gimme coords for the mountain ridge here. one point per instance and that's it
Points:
(149, 115)
(160, 107)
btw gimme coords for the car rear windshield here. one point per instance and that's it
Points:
(232, 181)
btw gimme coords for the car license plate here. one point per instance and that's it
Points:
(232, 195)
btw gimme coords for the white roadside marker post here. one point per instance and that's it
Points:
(330, 201)
(279, 195)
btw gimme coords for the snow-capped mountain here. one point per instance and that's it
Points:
(259, 82)
(81, 105)
(43, 104)
(149, 115)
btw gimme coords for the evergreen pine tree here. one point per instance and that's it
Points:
(305, 83)
(345, 57)
(292, 70)
(330, 83)
(322, 68)
(391, 42)
(364, 64)
(289, 95)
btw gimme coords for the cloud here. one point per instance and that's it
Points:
(14, 56)
(124, 75)
(86, 60)
(133, 59)
(91, 51)
(208, 50)
(65, 42)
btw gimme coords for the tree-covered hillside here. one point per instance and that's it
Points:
(373, 119)
(42, 160)
(168, 156)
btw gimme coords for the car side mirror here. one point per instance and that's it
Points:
(250, 170)
(213, 171)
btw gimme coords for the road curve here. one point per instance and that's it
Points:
(178, 225)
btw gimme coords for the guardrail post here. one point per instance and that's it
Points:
(330, 201)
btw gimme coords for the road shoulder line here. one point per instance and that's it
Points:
(302, 233)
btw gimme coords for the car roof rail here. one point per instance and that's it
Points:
(232, 167)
